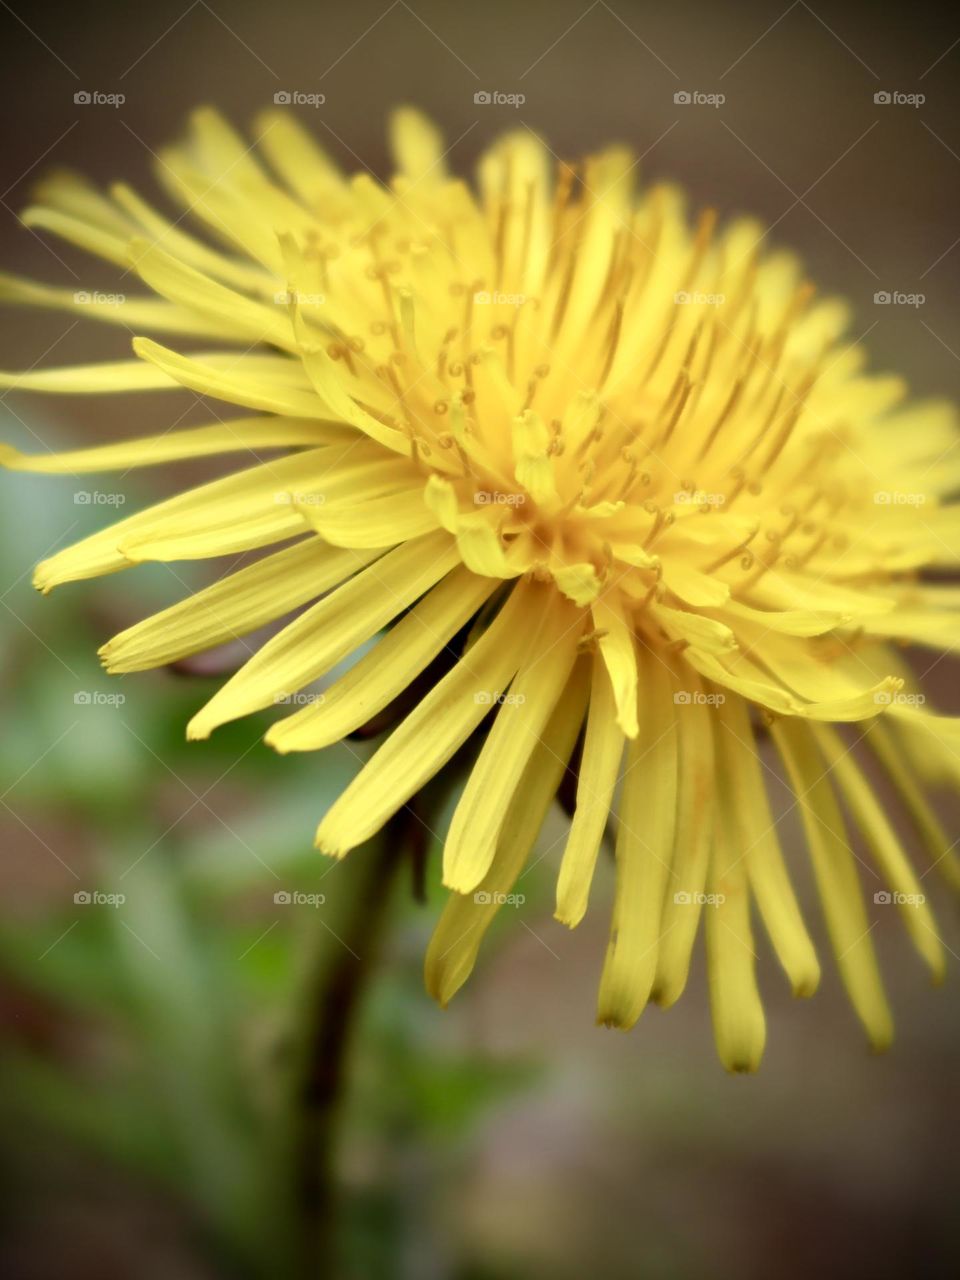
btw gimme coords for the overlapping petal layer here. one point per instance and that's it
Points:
(619, 467)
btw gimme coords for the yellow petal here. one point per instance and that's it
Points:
(596, 780)
(550, 650)
(784, 590)
(534, 470)
(416, 144)
(938, 630)
(645, 844)
(108, 307)
(233, 606)
(237, 315)
(739, 1025)
(235, 215)
(940, 848)
(790, 622)
(482, 550)
(187, 248)
(220, 148)
(466, 917)
(897, 877)
(329, 631)
(90, 379)
(423, 743)
(619, 651)
(931, 741)
(693, 587)
(837, 880)
(760, 850)
(836, 690)
(74, 194)
(696, 793)
(246, 496)
(740, 674)
(238, 436)
(302, 162)
(372, 522)
(256, 507)
(249, 386)
(578, 582)
(80, 232)
(328, 385)
(386, 670)
(700, 632)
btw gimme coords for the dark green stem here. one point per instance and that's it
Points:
(333, 998)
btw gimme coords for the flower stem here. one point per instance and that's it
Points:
(334, 992)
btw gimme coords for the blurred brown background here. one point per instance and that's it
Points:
(631, 1155)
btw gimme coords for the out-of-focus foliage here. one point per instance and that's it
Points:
(172, 914)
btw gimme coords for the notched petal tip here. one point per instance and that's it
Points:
(330, 845)
(568, 918)
(108, 660)
(199, 729)
(457, 881)
(612, 1018)
(42, 579)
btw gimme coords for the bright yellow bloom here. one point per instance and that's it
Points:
(629, 459)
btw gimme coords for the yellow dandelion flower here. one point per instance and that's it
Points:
(623, 466)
